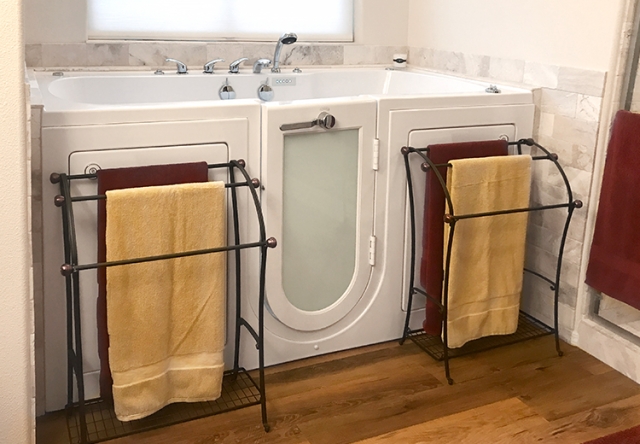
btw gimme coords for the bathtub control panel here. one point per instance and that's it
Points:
(285, 81)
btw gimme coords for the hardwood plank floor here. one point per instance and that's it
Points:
(508, 421)
(387, 393)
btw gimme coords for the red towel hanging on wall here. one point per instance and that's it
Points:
(431, 266)
(117, 179)
(614, 262)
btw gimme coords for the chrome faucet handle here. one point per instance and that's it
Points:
(208, 67)
(234, 67)
(259, 64)
(182, 68)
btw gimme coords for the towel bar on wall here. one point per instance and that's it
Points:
(529, 327)
(238, 390)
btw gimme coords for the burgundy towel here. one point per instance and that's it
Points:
(614, 263)
(432, 267)
(117, 179)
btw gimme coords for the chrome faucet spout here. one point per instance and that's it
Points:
(285, 39)
(259, 64)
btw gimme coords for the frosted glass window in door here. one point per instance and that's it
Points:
(320, 195)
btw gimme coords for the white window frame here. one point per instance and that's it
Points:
(232, 24)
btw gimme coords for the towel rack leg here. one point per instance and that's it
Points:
(406, 330)
(447, 372)
(445, 348)
(263, 394)
(556, 295)
(238, 289)
(412, 222)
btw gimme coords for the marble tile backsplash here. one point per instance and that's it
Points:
(195, 55)
(582, 81)
(544, 76)
(567, 119)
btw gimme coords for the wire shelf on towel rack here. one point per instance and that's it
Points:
(528, 328)
(102, 425)
(527, 324)
(92, 421)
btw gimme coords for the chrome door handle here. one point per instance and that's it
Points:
(324, 120)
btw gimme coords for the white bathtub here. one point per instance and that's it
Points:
(127, 88)
(101, 91)
(146, 88)
(135, 118)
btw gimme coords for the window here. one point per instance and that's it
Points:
(328, 20)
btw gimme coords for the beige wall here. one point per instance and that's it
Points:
(382, 22)
(575, 33)
(378, 22)
(16, 327)
(55, 21)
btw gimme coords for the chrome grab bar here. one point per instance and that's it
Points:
(324, 120)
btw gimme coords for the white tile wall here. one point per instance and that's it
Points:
(581, 81)
(371, 54)
(538, 74)
(506, 69)
(68, 54)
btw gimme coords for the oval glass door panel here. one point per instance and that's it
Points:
(320, 200)
(318, 203)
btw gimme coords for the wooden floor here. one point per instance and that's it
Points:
(388, 393)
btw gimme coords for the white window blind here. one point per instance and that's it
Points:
(326, 20)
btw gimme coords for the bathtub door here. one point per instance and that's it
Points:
(318, 198)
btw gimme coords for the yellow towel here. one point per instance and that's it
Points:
(487, 255)
(166, 319)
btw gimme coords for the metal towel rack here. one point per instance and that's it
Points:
(418, 336)
(239, 388)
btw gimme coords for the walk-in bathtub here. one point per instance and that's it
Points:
(88, 90)
(334, 198)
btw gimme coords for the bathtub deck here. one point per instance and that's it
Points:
(388, 393)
